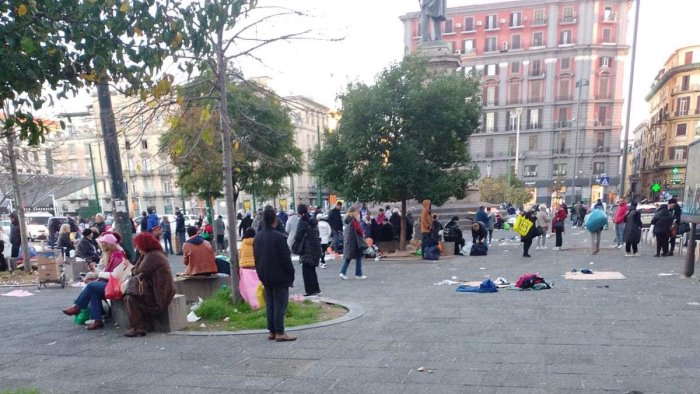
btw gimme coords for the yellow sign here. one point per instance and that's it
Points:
(246, 205)
(331, 199)
(283, 204)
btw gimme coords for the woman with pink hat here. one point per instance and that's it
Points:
(114, 262)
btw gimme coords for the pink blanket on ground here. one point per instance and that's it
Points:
(248, 286)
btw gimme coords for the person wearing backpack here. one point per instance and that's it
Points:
(595, 223)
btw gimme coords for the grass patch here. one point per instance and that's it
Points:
(241, 316)
(20, 391)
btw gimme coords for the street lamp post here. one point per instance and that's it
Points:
(579, 84)
(625, 147)
(518, 111)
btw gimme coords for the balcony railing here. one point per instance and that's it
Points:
(612, 17)
(561, 151)
(534, 126)
(536, 74)
(562, 172)
(563, 123)
(568, 19)
(683, 112)
(603, 96)
(539, 21)
(564, 97)
(603, 123)
(470, 51)
(512, 101)
(690, 88)
(535, 99)
(530, 174)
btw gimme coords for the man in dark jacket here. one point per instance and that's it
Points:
(675, 210)
(307, 234)
(87, 248)
(180, 230)
(220, 228)
(15, 237)
(662, 221)
(336, 222)
(153, 220)
(483, 217)
(454, 234)
(273, 263)
(246, 222)
(479, 232)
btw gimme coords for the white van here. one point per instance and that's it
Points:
(36, 225)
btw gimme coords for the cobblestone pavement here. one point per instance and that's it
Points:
(639, 333)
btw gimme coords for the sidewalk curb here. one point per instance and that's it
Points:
(354, 311)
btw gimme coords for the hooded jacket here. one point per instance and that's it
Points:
(198, 257)
(620, 213)
(426, 219)
(312, 248)
(662, 221)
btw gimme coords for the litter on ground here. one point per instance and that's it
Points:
(598, 275)
(18, 293)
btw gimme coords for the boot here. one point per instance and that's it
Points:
(72, 311)
(95, 325)
(284, 338)
(135, 332)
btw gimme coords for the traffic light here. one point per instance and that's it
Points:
(656, 187)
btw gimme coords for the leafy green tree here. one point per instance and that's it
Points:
(404, 137)
(504, 189)
(194, 143)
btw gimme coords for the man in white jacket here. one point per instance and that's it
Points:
(325, 232)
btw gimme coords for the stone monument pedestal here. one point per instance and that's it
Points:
(440, 56)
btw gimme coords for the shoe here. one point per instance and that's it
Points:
(628, 255)
(284, 338)
(95, 325)
(72, 311)
(537, 248)
(271, 336)
(595, 252)
(323, 265)
(526, 255)
(460, 254)
(318, 293)
(134, 332)
(360, 277)
(179, 254)
(657, 255)
(343, 277)
(670, 253)
(544, 247)
(664, 255)
(636, 254)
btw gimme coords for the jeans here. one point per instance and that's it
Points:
(595, 241)
(323, 252)
(168, 241)
(181, 238)
(276, 299)
(92, 295)
(337, 237)
(358, 266)
(619, 233)
(14, 252)
(490, 235)
(631, 247)
(661, 243)
(310, 279)
(559, 240)
(220, 242)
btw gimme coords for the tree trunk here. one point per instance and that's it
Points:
(222, 87)
(114, 165)
(404, 226)
(18, 202)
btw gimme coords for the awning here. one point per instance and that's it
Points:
(37, 189)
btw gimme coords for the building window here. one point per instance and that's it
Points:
(565, 63)
(511, 146)
(563, 116)
(538, 39)
(685, 83)
(697, 128)
(516, 19)
(598, 168)
(469, 47)
(536, 68)
(166, 187)
(535, 91)
(490, 45)
(565, 37)
(148, 185)
(683, 106)
(605, 61)
(532, 143)
(560, 169)
(490, 95)
(538, 18)
(132, 167)
(515, 68)
(144, 144)
(603, 88)
(561, 143)
(608, 14)
(127, 144)
(600, 141)
(607, 35)
(490, 122)
(491, 22)
(681, 129)
(449, 26)
(677, 153)
(568, 15)
(689, 57)
(530, 170)
(489, 147)
(147, 165)
(515, 41)
(564, 89)
(491, 69)
(533, 118)
(514, 93)
(469, 23)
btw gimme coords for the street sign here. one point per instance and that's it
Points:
(604, 181)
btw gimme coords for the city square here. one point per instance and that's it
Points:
(487, 196)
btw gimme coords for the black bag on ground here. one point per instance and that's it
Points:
(478, 249)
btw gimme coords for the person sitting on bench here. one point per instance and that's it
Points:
(198, 255)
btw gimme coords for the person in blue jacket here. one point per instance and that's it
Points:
(483, 217)
(152, 220)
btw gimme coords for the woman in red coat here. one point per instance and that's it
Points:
(558, 224)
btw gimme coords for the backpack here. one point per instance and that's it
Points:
(479, 250)
(431, 253)
(528, 281)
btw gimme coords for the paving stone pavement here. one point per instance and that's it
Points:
(579, 337)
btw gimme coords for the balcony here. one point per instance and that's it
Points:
(530, 174)
(563, 123)
(536, 74)
(534, 126)
(562, 172)
(601, 150)
(690, 88)
(535, 99)
(568, 19)
(561, 151)
(603, 123)
(514, 101)
(564, 97)
(603, 96)
(469, 52)
(539, 22)
(566, 43)
(149, 194)
(682, 112)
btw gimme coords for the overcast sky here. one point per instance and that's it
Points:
(373, 37)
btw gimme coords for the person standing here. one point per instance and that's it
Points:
(336, 222)
(257, 221)
(152, 219)
(308, 242)
(220, 228)
(543, 226)
(100, 223)
(619, 220)
(166, 234)
(527, 238)
(595, 223)
(15, 236)
(282, 215)
(180, 229)
(662, 221)
(352, 239)
(482, 216)
(492, 222)
(144, 221)
(633, 230)
(381, 217)
(558, 224)
(325, 232)
(273, 262)
(676, 211)
(246, 223)
(292, 223)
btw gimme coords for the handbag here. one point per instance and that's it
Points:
(134, 286)
(522, 225)
(299, 247)
(113, 290)
(361, 243)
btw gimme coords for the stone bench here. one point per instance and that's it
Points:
(388, 246)
(173, 319)
(193, 287)
(448, 249)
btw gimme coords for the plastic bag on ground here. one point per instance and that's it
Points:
(248, 286)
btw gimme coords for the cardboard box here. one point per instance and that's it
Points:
(48, 265)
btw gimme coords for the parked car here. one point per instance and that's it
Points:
(37, 225)
(647, 211)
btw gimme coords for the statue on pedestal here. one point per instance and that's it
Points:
(431, 10)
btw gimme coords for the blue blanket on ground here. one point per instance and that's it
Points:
(486, 286)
